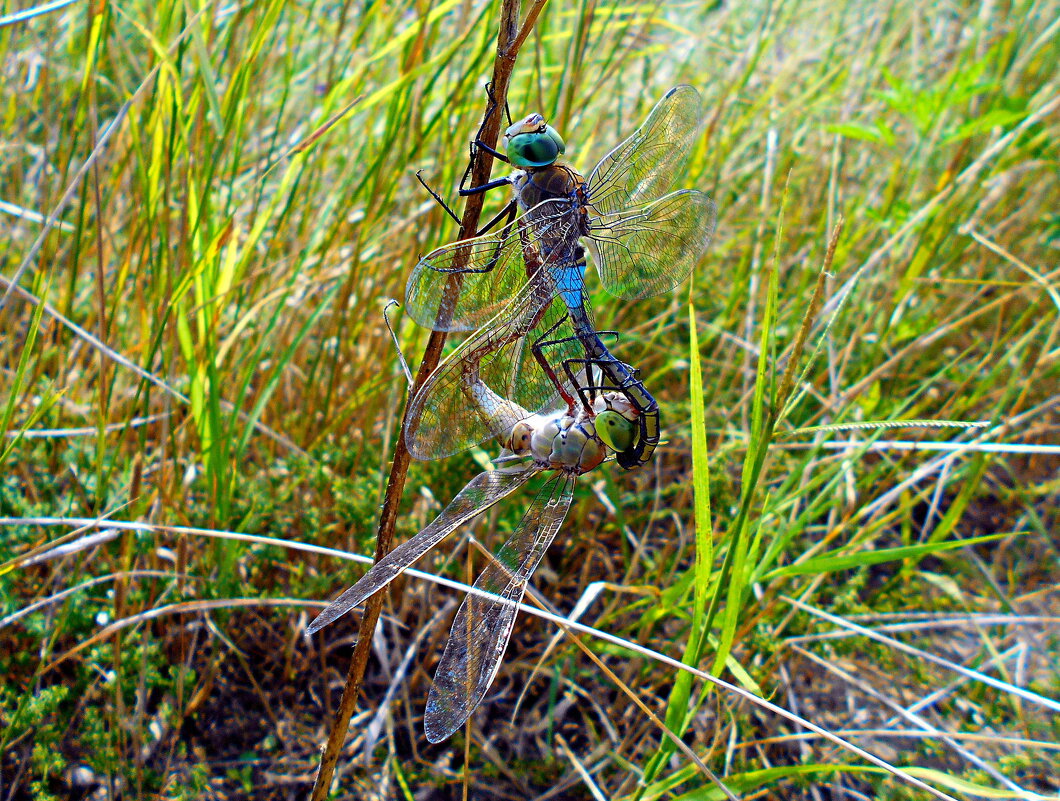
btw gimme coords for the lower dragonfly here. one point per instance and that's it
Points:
(526, 283)
(568, 444)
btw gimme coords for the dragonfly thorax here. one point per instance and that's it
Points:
(561, 441)
(568, 443)
(556, 181)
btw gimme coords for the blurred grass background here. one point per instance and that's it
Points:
(198, 342)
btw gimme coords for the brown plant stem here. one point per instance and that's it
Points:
(509, 39)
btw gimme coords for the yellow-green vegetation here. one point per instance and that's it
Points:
(194, 345)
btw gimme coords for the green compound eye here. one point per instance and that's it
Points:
(616, 431)
(535, 149)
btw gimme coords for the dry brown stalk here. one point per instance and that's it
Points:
(510, 39)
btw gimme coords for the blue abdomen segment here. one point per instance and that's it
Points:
(570, 284)
(570, 287)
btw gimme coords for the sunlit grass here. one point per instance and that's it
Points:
(199, 343)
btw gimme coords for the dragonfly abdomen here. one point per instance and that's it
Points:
(626, 381)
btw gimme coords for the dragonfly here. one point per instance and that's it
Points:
(521, 291)
(555, 441)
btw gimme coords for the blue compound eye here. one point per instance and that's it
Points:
(535, 148)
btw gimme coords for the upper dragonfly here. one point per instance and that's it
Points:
(526, 282)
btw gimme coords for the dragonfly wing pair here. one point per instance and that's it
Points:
(479, 494)
(483, 625)
(645, 243)
(451, 412)
(646, 250)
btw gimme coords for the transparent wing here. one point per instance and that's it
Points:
(483, 626)
(649, 249)
(477, 496)
(646, 165)
(486, 271)
(492, 381)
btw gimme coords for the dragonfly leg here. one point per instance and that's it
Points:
(493, 104)
(486, 187)
(436, 196)
(491, 109)
(597, 355)
(477, 145)
(480, 145)
(586, 391)
(538, 348)
(509, 212)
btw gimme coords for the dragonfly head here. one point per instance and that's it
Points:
(532, 142)
(617, 433)
(616, 422)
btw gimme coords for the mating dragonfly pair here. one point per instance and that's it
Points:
(535, 372)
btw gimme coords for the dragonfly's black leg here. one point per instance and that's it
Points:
(586, 391)
(474, 148)
(480, 145)
(538, 349)
(618, 376)
(509, 212)
(490, 109)
(493, 103)
(486, 187)
(590, 382)
(586, 365)
(436, 196)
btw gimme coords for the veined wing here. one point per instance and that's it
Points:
(477, 496)
(486, 271)
(492, 380)
(649, 249)
(483, 626)
(645, 166)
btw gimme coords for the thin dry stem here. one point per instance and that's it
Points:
(509, 39)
